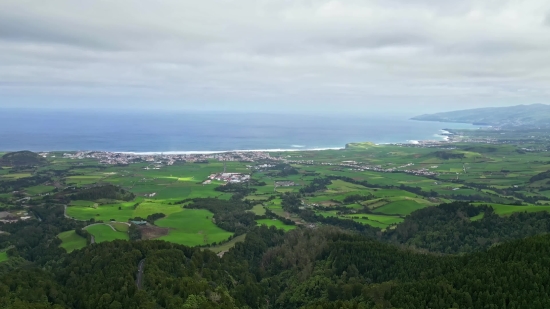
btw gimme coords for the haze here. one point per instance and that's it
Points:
(360, 56)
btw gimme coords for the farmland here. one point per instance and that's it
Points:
(192, 227)
(372, 185)
(103, 232)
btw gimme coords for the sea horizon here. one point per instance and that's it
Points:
(205, 132)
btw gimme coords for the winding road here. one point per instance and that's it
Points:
(139, 281)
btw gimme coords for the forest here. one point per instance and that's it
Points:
(304, 268)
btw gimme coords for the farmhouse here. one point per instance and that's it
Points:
(285, 183)
(139, 222)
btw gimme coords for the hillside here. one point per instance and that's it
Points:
(520, 115)
(305, 268)
(22, 158)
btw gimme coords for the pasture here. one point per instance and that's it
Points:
(276, 223)
(192, 227)
(401, 207)
(3, 256)
(227, 245)
(71, 241)
(505, 210)
(103, 232)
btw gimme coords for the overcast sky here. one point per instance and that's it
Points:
(412, 55)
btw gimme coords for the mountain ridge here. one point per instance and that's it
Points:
(519, 115)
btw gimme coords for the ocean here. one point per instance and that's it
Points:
(181, 132)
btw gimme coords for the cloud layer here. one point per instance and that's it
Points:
(311, 54)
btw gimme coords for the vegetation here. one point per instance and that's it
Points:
(71, 241)
(371, 226)
(21, 158)
(527, 115)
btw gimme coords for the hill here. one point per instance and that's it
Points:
(520, 115)
(22, 158)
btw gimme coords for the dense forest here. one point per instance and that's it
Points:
(305, 268)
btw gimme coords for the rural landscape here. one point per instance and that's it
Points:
(433, 202)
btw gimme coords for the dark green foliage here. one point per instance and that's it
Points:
(272, 215)
(103, 192)
(154, 217)
(237, 188)
(22, 183)
(317, 184)
(22, 158)
(35, 240)
(447, 228)
(134, 233)
(282, 170)
(304, 268)
(446, 155)
(229, 215)
(540, 176)
(355, 198)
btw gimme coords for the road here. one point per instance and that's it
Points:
(92, 240)
(139, 281)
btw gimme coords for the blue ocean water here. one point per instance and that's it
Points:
(49, 130)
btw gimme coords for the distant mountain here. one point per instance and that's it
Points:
(520, 115)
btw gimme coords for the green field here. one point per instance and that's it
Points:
(192, 227)
(259, 210)
(3, 256)
(121, 211)
(39, 189)
(71, 241)
(402, 207)
(16, 175)
(103, 232)
(504, 210)
(121, 227)
(276, 223)
(227, 245)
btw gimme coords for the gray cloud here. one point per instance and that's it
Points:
(293, 54)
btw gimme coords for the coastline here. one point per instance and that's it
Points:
(192, 152)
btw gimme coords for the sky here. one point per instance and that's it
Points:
(274, 55)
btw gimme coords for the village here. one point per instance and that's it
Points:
(159, 159)
(227, 177)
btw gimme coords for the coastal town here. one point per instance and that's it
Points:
(159, 159)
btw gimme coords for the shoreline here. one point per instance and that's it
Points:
(443, 136)
(191, 152)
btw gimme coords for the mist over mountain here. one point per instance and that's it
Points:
(520, 115)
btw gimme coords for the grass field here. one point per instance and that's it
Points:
(121, 211)
(3, 256)
(71, 241)
(228, 245)
(121, 227)
(192, 227)
(39, 189)
(103, 232)
(258, 210)
(16, 175)
(402, 207)
(504, 210)
(276, 223)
